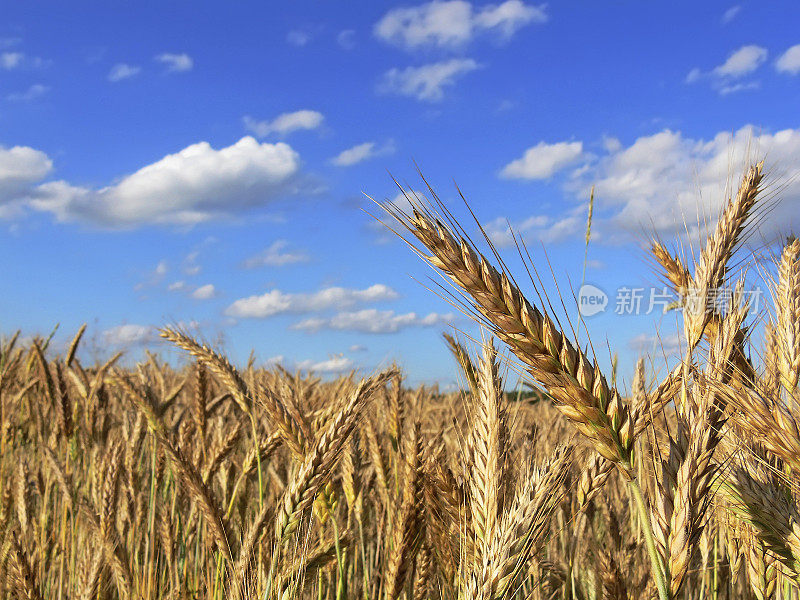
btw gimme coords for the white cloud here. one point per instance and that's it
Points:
(655, 346)
(204, 292)
(185, 188)
(740, 63)
(276, 256)
(730, 14)
(670, 184)
(611, 144)
(428, 81)
(277, 302)
(335, 364)
(274, 361)
(789, 61)
(162, 268)
(190, 266)
(297, 37)
(284, 123)
(20, 168)
(373, 321)
(694, 75)
(176, 63)
(129, 335)
(743, 61)
(454, 23)
(176, 286)
(360, 153)
(346, 39)
(543, 160)
(122, 71)
(357, 348)
(11, 60)
(153, 277)
(666, 181)
(538, 228)
(726, 90)
(37, 90)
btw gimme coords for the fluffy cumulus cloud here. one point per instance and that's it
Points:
(190, 186)
(454, 23)
(543, 160)
(284, 123)
(276, 302)
(360, 153)
(427, 82)
(668, 182)
(129, 335)
(175, 63)
(122, 71)
(276, 255)
(20, 167)
(371, 320)
(789, 61)
(725, 78)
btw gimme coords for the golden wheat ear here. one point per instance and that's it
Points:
(573, 379)
(464, 361)
(787, 317)
(489, 449)
(712, 265)
(522, 531)
(316, 469)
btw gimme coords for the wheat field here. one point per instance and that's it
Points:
(212, 481)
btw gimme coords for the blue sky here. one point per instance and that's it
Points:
(205, 163)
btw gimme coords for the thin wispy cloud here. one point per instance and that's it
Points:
(11, 60)
(346, 39)
(37, 90)
(298, 37)
(361, 152)
(742, 62)
(16, 60)
(284, 123)
(427, 82)
(730, 14)
(277, 254)
(122, 71)
(176, 63)
(374, 321)
(724, 78)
